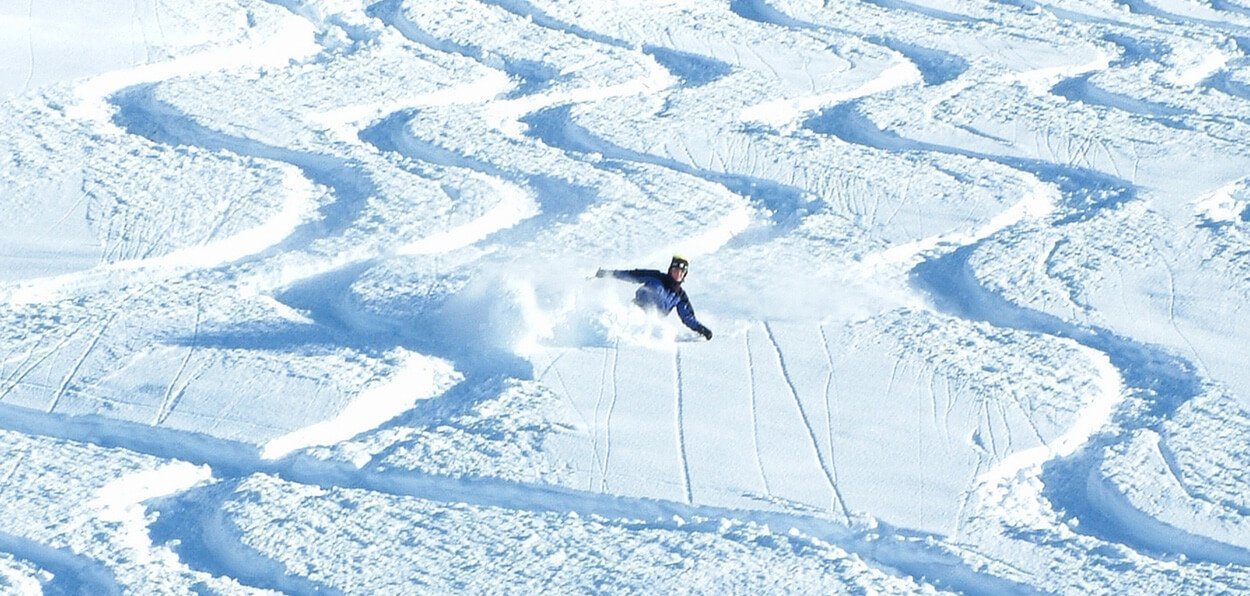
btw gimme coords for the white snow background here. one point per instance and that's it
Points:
(297, 296)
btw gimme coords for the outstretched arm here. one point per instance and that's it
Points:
(686, 312)
(634, 275)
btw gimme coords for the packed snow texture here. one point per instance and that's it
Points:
(300, 296)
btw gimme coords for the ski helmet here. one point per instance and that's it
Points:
(680, 262)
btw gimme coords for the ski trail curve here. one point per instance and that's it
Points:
(924, 560)
(1148, 374)
(1130, 370)
(71, 573)
(192, 522)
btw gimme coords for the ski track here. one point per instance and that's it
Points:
(1144, 370)
(1108, 516)
(172, 393)
(807, 423)
(755, 419)
(17, 464)
(552, 125)
(607, 455)
(590, 428)
(30, 45)
(193, 518)
(20, 376)
(556, 128)
(911, 554)
(140, 114)
(72, 573)
(681, 429)
(833, 462)
(603, 388)
(73, 371)
(944, 276)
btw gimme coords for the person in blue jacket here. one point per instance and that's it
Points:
(661, 292)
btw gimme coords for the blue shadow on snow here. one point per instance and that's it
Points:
(1085, 191)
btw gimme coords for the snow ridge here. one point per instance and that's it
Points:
(290, 281)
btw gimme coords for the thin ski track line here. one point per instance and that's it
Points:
(681, 428)
(603, 383)
(19, 377)
(833, 463)
(172, 396)
(607, 456)
(1169, 462)
(950, 406)
(593, 444)
(933, 398)
(73, 371)
(1037, 432)
(989, 428)
(794, 394)
(1002, 415)
(924, 492)
(550, 366)
(889, 388)
(965, 496)
(1167, 266)
(17, 366)
(173, 393)
(8, 476)
(755, 419)
(12, 381)
(30, 44)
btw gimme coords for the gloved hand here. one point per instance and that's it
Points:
(706, 333)
(602, 273)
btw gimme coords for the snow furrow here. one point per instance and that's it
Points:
(206, 542)
(141, 113)
(913, 555)
(1160, 382)
(378, 218)
(783, 202)
(71, 573)
(762, 12)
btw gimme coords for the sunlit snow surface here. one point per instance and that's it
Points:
(299, 296)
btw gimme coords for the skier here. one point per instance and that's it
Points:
(661, 292)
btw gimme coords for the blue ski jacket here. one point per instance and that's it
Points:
(661, 293)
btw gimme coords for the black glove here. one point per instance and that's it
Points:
(706, 333)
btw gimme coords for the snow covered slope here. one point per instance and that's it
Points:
(299, 296)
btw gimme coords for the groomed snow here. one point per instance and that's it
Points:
(299, 296)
